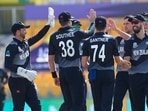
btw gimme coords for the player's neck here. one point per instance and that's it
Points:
(19, 38)
(100, 31)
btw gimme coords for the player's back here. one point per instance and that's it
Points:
(101, 48)
(65, 44)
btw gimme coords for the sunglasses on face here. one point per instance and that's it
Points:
(135, 22)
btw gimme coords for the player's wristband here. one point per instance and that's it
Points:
(54, 74)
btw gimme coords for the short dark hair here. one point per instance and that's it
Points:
(129, 17)
(100, 23)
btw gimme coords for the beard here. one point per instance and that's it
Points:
(137, 29)
(23, 36)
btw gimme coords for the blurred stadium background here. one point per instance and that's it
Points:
(34, 12)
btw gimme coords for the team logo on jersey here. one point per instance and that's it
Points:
(135, 45)
(7, 53)
(20, 50)
(122, 42)
(24, 55)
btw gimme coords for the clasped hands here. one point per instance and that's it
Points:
(125, 65)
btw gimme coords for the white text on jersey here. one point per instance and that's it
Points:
(140, 52)
(98, 39)
(65, 35)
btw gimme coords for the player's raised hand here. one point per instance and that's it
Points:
(92, 15)
(51, 17)
(111, 22)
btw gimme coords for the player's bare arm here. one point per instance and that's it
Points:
(92, 15)
(125, 64)
(53, 69)
(84, 62)
(113, 26)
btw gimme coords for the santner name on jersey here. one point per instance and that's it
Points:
(98, 39)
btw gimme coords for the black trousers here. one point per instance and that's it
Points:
(23, 91)
(121, 87)
(139, 90)
(102, 85)
(73, 88)
(63, 106)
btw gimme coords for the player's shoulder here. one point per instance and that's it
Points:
(130, 41)
(132, 38)
(54, 34)
(108, 36)
(12, 46)
(13, 43)
(80, 33)
(119, 39)
(89, 38)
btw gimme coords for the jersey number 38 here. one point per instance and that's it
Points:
(67, 48)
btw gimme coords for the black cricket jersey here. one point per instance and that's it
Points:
(101, 48)
(65, 43)
(121, 43)
(17, 53)
(137, 49)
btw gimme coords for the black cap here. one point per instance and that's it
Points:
(65, 16)
(76, 22)
(100, 21)
(17, 26)
(145, 14)
(139, 17)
